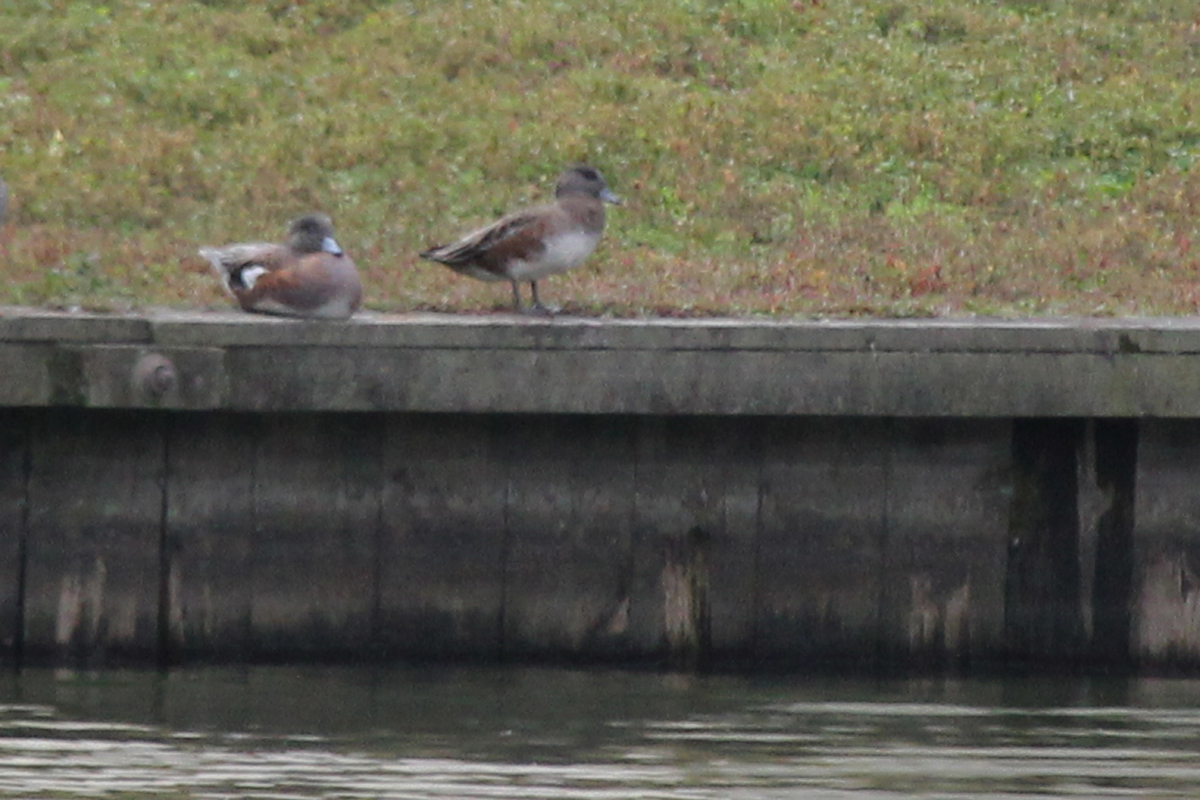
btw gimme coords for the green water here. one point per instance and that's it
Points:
(533, 733)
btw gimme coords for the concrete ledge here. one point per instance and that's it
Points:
(505, 363)
(918, 495)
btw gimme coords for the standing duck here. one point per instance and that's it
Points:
(532, 244)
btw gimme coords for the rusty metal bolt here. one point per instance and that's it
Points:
(155, 375)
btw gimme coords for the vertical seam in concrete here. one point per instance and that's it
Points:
(247, 646)
(1131, 521)
(635, 535)
(1087, 453)
(1116, 456)
(23, 541)
(505, 544)
(756, 566)
(375, 634)
(164, 544)
(882, 646)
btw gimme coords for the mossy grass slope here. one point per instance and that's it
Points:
(807, 157)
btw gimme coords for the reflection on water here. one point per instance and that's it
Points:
(523, 733)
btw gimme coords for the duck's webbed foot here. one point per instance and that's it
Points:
(537, 308)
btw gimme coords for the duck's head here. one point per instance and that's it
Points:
(313, 233)
(582, 179)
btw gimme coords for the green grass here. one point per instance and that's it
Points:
(816, 157)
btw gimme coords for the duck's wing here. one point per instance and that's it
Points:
(240, 265)
(520, 231)
(237, 256)
(314, 283)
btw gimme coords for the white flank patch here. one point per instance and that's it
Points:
(563, 252)
(337, 308)
(252, 274)
(270, 306)
(481, 274)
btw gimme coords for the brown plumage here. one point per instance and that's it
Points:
(529, 245)
(308, 276)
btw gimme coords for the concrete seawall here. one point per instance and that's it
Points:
(923, 495)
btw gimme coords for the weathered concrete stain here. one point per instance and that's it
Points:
(66, 379)
(938, 621)
(1167, 628)
(685, 588)
(81, 613)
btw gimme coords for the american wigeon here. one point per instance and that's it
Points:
(529, 245)
(309, 276)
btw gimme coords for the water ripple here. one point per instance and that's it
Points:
(499, 743)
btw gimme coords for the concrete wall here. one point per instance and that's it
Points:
(177, 489)
(504, 364)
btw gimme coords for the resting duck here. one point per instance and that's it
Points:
(529, 245)
(309, 276)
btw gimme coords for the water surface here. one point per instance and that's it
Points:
(543, 733)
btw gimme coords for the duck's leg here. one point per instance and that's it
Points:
(537, 307)
(517, 297)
